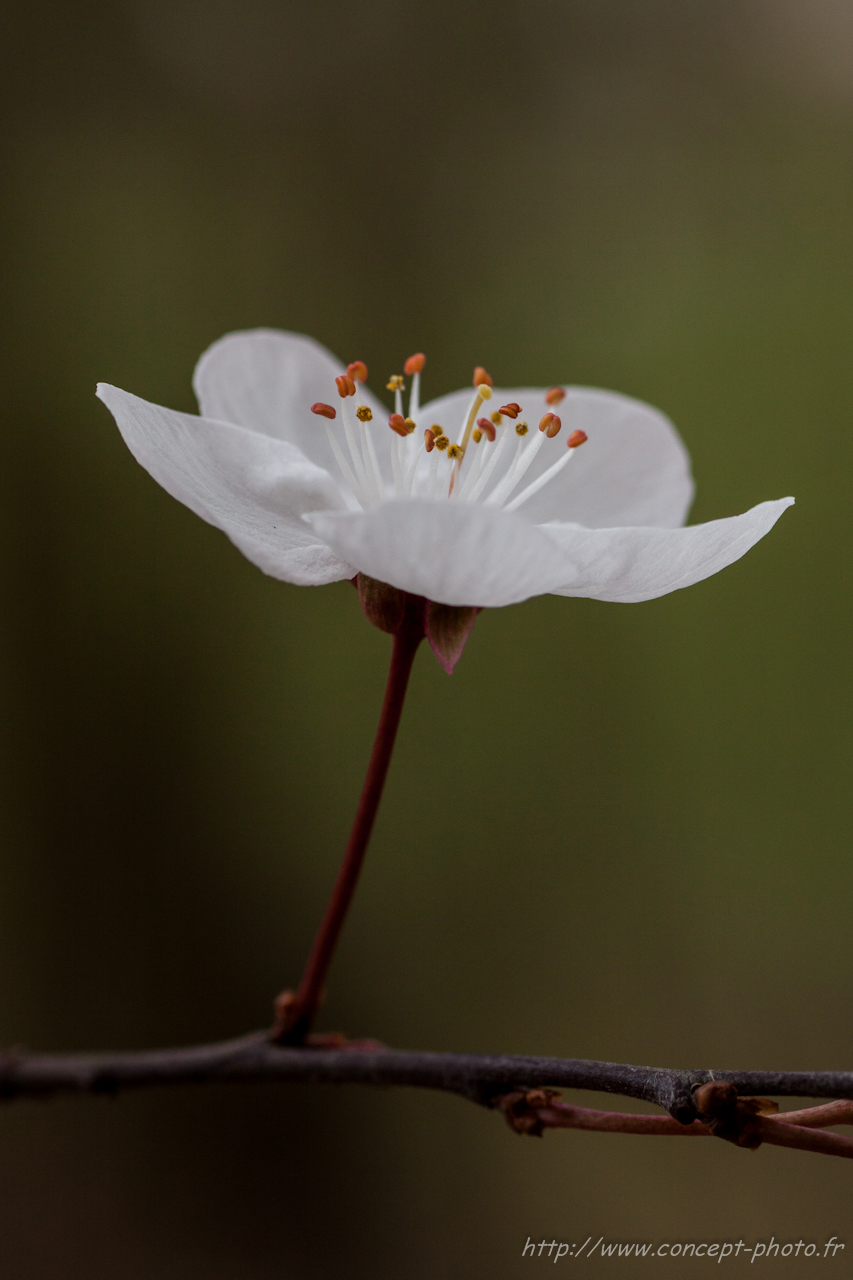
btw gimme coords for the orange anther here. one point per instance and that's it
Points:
(511, 410)
(398, 423)
(487, 428)
(551, 425)
(481, 378)
(429, 440)
(357, 371)
(555, 395)
(324, 410)
(345, 385)
(414, 364)
(576, 438)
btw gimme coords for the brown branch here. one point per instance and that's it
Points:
(701, 1103)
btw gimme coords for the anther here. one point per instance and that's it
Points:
(396, 382)
(511, 410)
(364, 414)
(484, 390)
(454, 451)
(357, 371)
(398, 423)
(481, 378)
(551, 425)
(555, 395)
(324, 410)
(496, 419)
(414, 364)
(576, 439)
(410, 425)
(345, 385)
(521, 428)
(486, 427)
(429, 440)
(441, 442)
(476, 435)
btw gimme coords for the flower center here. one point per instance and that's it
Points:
(483, 466)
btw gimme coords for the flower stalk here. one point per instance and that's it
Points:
(295, 1013)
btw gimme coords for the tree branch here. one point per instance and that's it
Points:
(699, 1102)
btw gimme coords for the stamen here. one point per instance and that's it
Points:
(496, 418)
(489, 467)
(356, 453)
(429, 439)
(477, 461)
(325, 410)
(398, 423)
(395, 383)
(432, 478)
(511, 410)
(521, 428)
(551, 425)
(555, 395)
(413, 369)
(442, 441)
(487, 428)
(345, 385)
(364, 414)
(357, 371)
(410, 425)
(454, 451)
(481, 378)
(483, 392)
(521, 462)
(575, 440)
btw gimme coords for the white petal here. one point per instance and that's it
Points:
(252, 487)
(629, 565)
(452, 553)
(267, 380)
(632, 470)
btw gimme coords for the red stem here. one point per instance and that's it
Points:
(301, 1011)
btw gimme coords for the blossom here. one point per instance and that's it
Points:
(482, 498)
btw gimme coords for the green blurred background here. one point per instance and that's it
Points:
(617, 831)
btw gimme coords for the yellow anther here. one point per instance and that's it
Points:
(396, 382)
(364, 414)
(454, 451)
(521, 428)
(497, 419)
(410, 423)
(476, 435)
(441, 442)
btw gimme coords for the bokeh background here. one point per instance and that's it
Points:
(617, 831)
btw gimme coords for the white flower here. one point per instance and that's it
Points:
(312, 500)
